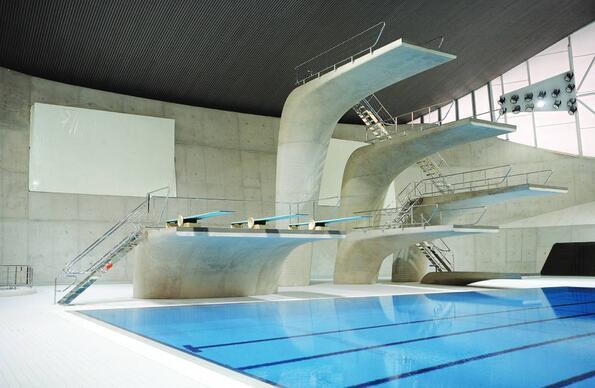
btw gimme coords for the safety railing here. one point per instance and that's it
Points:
(480, 179)
(312, 68)
(109, 243)
(13, 276)
(416, 215)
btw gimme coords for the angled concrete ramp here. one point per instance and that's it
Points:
(364, 250)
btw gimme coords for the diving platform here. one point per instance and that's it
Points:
(201, 262)
(364, 250)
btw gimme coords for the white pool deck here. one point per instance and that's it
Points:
(45, 345)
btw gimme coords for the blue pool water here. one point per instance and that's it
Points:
(505, 338)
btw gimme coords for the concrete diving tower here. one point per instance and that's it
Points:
(368, 174)
(200, 262)
(312, 111)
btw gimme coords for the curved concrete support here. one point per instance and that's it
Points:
(364, 251)
(207, 262)
(371, 169)
(312, 111)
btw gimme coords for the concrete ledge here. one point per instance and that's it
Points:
(464, 278)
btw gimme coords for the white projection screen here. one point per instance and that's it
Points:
(87, 151)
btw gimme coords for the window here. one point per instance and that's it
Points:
(465, 107)
(524, 128)
(482, 103)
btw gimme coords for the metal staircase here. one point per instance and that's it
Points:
(432, 171)
(99, 257)
(438, 256)
(376, 118)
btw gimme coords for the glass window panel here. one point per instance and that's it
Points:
(524, 128)
(485, 116)
(581, 64)
(546, 66)
(588, 141)
(465, 107)
(586, 118)
(583, 41)
(562, 45)
(482, 101)
(560, 137)
(553, 118)
(433, 117)
(449, 113)
(511, 86)
(427, 119)
(516, 74)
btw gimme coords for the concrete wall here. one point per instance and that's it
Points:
(529, 227)
(218, 154)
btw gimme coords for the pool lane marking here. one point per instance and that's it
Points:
(471, 359)
(572, 380)
(402, 342)
(197, 349)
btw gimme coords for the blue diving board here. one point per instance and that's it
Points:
(313, 224)
(193, 219)
(252, 222)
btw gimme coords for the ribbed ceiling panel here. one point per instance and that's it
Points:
(240, 55)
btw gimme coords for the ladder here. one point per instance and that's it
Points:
(437, 256)
(101, 267)
(105, 251)
(431, 170)
(375, 117)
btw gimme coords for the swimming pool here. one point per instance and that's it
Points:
(534, 337)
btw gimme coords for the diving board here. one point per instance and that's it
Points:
(316, 225)
(193, 219)
(253, 223)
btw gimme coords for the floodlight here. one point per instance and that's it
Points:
(541, 94)
(529, 107)
(557, 104)
(501, 100)
(514, 98)
(555, 93)
(529, 97)
(516, 109)
(569, 76)
(572, 110)
(569, 88)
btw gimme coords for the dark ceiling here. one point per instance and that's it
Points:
(239, 55)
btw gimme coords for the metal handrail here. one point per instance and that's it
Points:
(334, 66)
(412, 214)
(132, 219)
(12, 278)
(487, 182)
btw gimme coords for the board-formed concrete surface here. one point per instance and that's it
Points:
(366, 249)
(198, 262)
